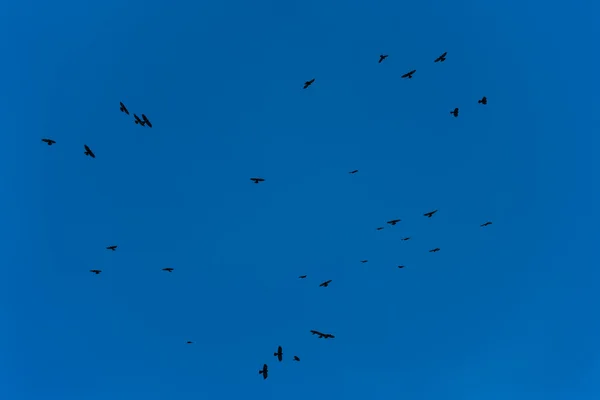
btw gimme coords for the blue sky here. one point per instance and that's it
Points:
(506, 311)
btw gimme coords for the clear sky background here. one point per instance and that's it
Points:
(506, 311)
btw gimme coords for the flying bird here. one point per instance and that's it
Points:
(88, 151)
(296, 358)
(382, 57)
(325, 284)
(394, 221)
(95, 271)
(308, 83)
(455, 112)
(113, 248)
(435, 250)
(256, 180)
(322, 335)
(264, 371)
(406, 238)
(189, 342)
(302, 276)
(378, 229)
(353, 172)
(441, 58)
(146, 120)
(409, 74)
(400, 266)
(486, 224)
(49, 141)
(364, 261)
(430, 214)
(168, 269)
(123, 108)
(483, 100)
(279, 353)
(138, 120)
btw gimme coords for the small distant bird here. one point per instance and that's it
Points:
(308, 83)
(486, 224)
(95, 271)
(380, 228)
(113, 248)
(296, 358)
(364, 261)
(123, 108)
(279, 353)
(394, 221)
(441, 58)
(189, 342)
(483, 100)
(168, 269)
(138, 120)
(353, 172)
(264, 371)
(323, 335)
(256, 180)
(400, 266)
(430, 214)
(455, 112)
(382, 57)
(435, 250)
(409, 74)
(49, 141)
(406, 238)
(88, 151)
(325, 284)
(147, 121)
(302, 276)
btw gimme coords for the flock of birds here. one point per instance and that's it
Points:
(144, 121)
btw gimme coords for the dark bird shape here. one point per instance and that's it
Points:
(168, 269)
(382, 57)
(279, 353)
(430, 214)
(189, 342)
(325, 284)
(113, 248)
(353, 172)
(138, 120)
(256, 180)
(406, 238)
(486, 224)
(147, 121)
(409, 74)
(394, 221)
(88, 151)
(302, 276)
(441, 58)
(483, 100)
(308, 83)
(454, 112)
(49, 141)
(95, 271)
(364, 261)
(123, 108)
(400, 266)
(322, 335)
(435, 250)
(296, 358)
(264, 371)
(380, 228)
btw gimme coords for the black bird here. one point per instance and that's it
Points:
(382, 57)
(400, 266)
(168, 269)
(146, 120)
(364, 261)
(256, 180)
(380, 228)
(296, 358)
(308, 83)
(486, 224)
(88, 151)
(279, 353)
(302, 276)
(49, 141)
(394, 221)
(138, 120)
(188, 342)
(455, 112)
(483, 100)
(95, 271)
(325, 284)
(264, 371)
(435, 250)
(409, 74)
(441, 58)
(322, 335)
(113, 248)
(430, 214)
(353, 172)
(406, 238)
(123, 108)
